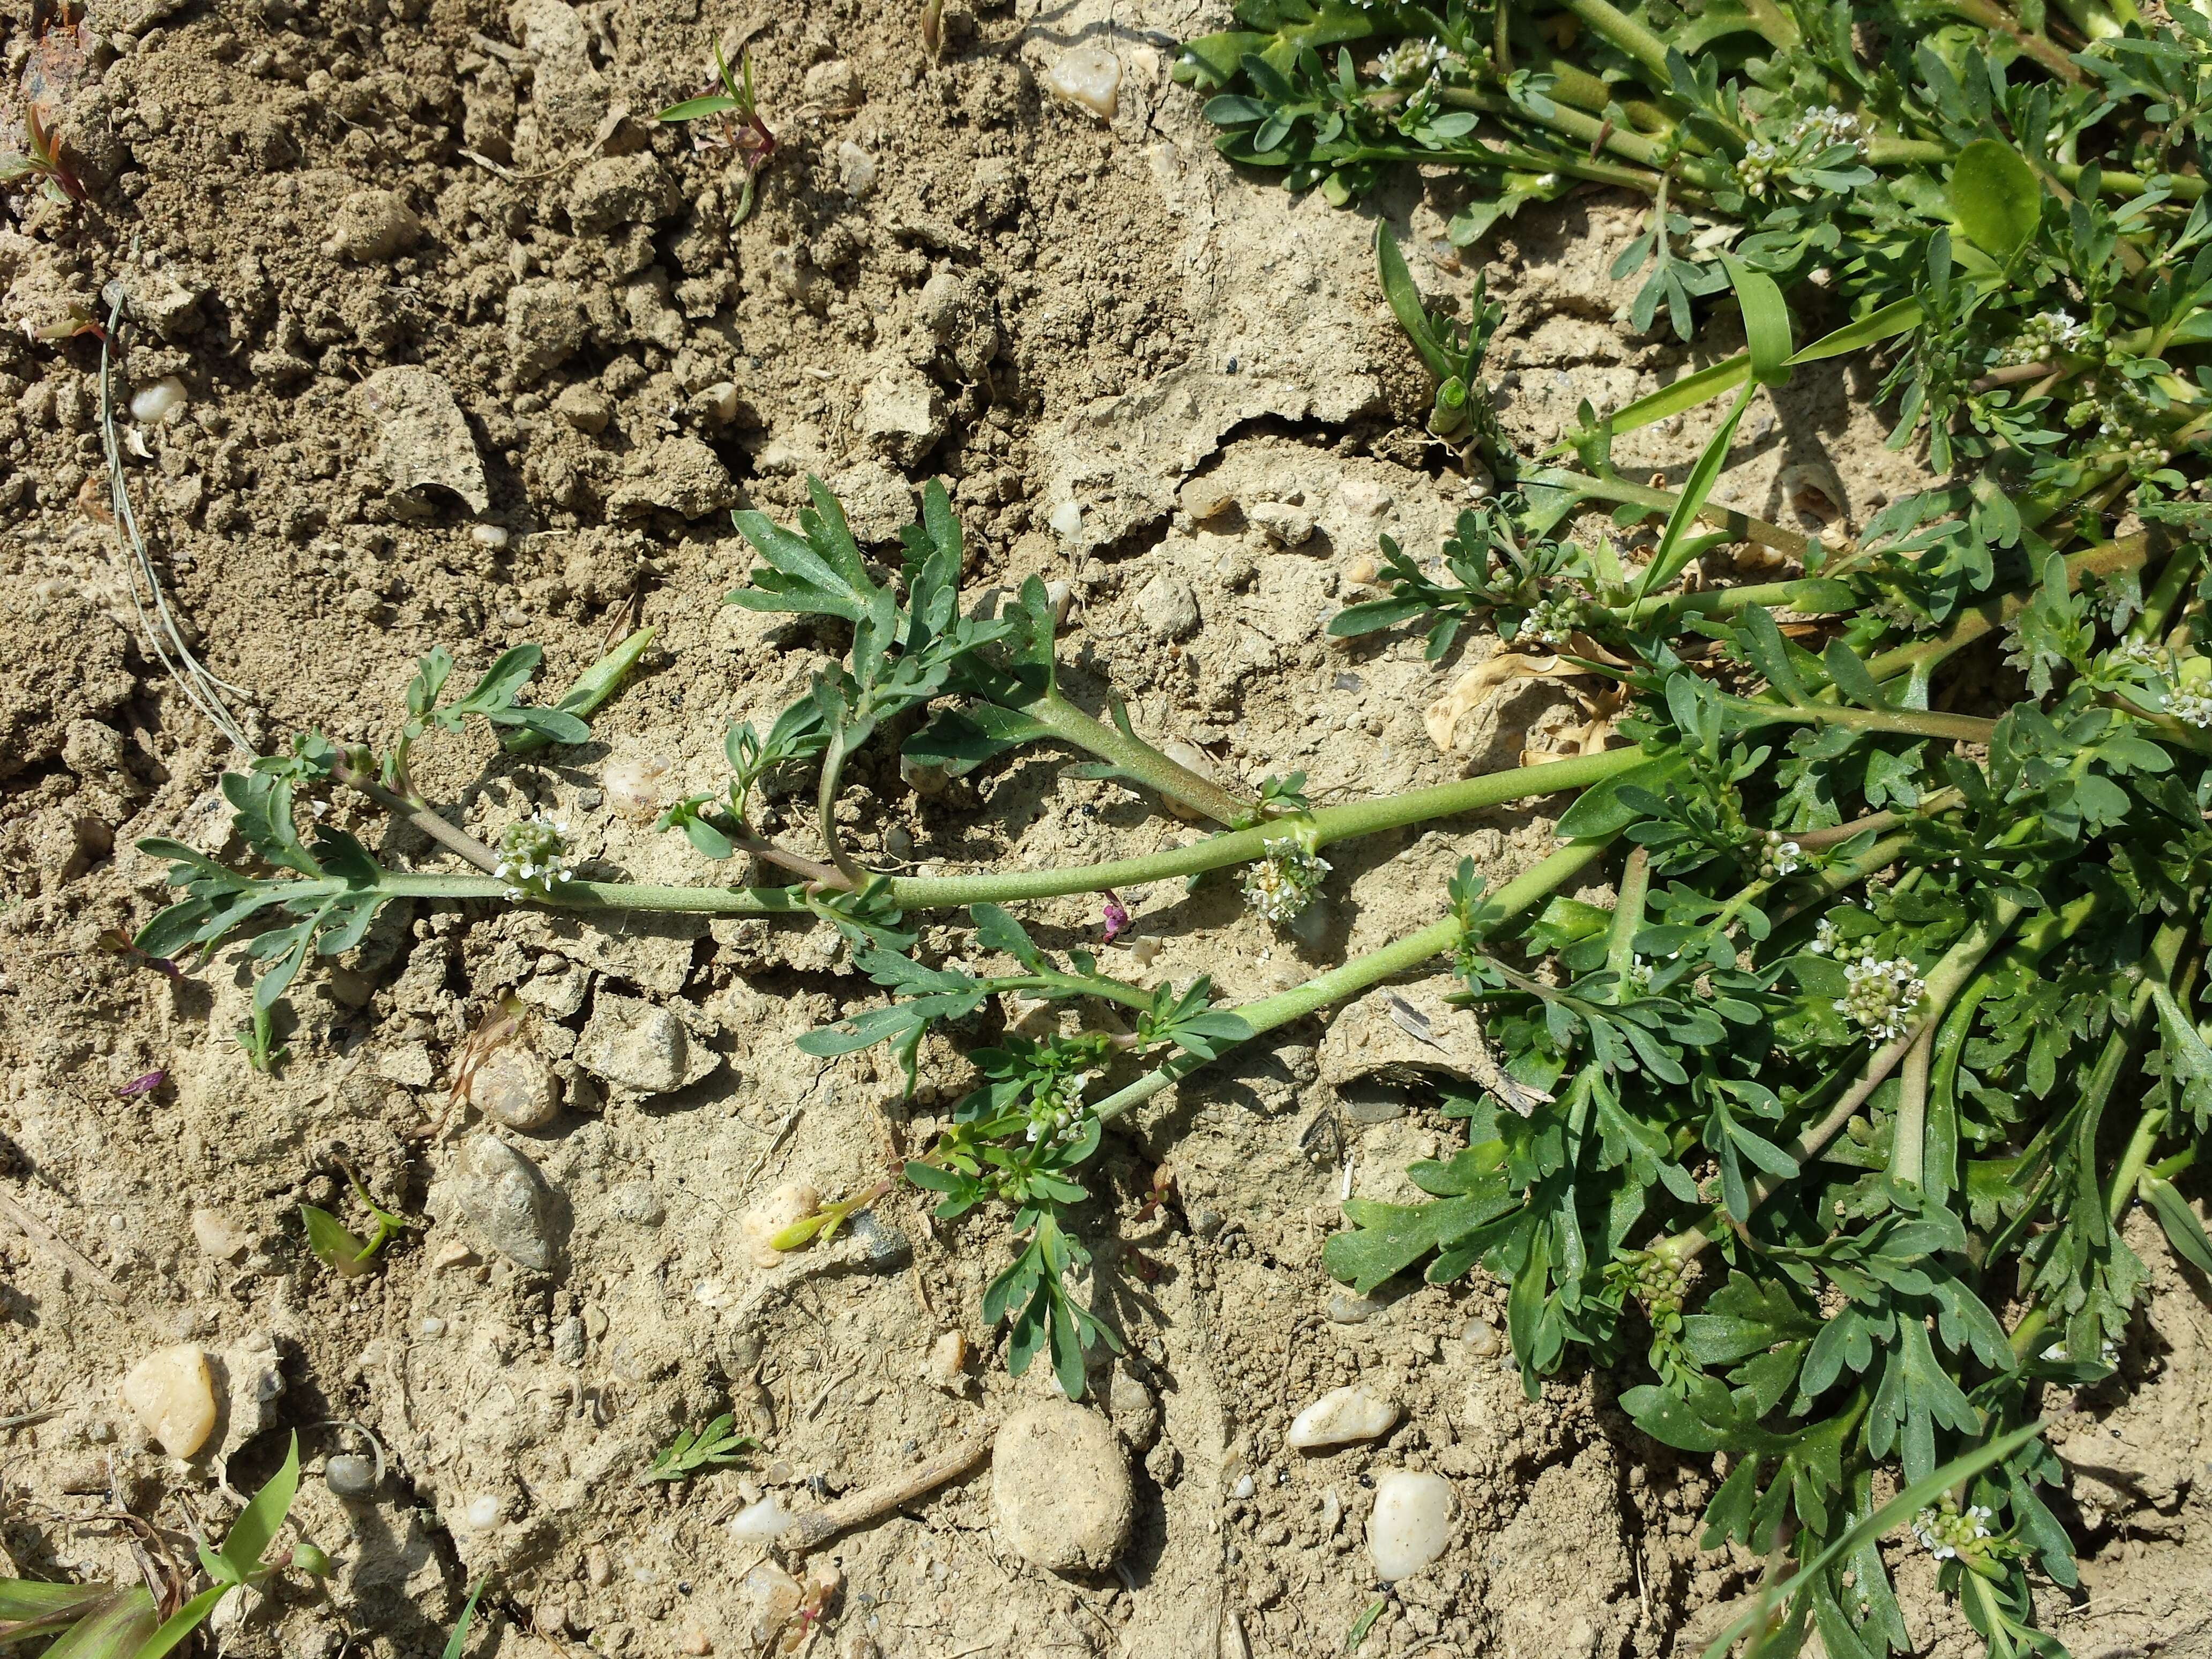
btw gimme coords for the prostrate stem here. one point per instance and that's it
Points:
(1401, 956)
(1137, 757)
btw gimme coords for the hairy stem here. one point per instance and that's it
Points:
(1401, 957)
(1627, 917)
(825, 807)
(452, 839)
(1137, 757)
(1329, 823)
(2128, 553)
(1741, 524)
(1908, 1153)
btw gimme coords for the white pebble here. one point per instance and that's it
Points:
(173, 1396)
(1067, 519)
(1341, 1416)
(483, 1512)
(1481, 1339)
(432, 1327)
(1090, 78)
(1243, 1488)
(149, 404)
(757, 1523)
(1411, 1524)
(632, 783)
(489, 536)
(725, 394)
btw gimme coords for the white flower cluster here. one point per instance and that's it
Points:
(1284, 883)
(1882, 995)
(2189, 705)
(1824, 936)
(1056, 1117)
(1639, 976)
(1549, 621)
(2046, 335)
(533, 855)
(1811, 135)
(1412, 60)
(1778, 857)
(1827, 128)
(2135, 653)
(1948, 1535)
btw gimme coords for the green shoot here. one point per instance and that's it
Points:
(41, 158)
(337, 1247)
(741, 128)
(700, 1451)
(98, 1621)
(456, 1643)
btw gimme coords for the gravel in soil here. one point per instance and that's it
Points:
(455, 347)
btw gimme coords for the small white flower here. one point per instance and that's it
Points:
(1824, 936)
(1882, 996)
(1284, 883)
(2190, 706)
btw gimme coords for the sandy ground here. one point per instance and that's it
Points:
(950, 273)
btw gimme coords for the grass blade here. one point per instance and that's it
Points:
(1911, 1501)
(1698, 486)
(459, 1638)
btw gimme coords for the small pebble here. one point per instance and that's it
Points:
(173, 1396)
(1346, 1309)
(1243, 1488)
(1061, 1489)
(489, 536)
(506, 1201)
(1412, 1521)
(514, 1085)
(1481, 1337)
(947, 1367)
(219, 1237)
(350, 1475)
(758, 1522)
(483, 1512)
(1341, 1416)
(1066, 521)
(1089, 77)
(694, 1641)
(791, 1202)
(150, 404)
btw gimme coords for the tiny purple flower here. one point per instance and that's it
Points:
(1118, 919)
(141, 1085)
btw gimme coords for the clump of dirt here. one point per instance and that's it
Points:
(467, 351)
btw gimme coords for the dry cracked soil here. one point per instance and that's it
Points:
(456, 347)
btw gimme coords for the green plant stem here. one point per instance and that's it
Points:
(1936, 801)
(1808, 595)
(1998, 20)
(1625, 32)
(826, 804)
(1944, 981)
(453, 839)
(1401, 957)
(1741, 524)
(2166, 593)
(1913, 722)
(1627, 917)
(1841, 878)
(1329, 823)
(1137, 757)
(2111, 558)
(1908, 1153)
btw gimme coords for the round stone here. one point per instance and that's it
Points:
(1412, 1521)
(1060, 1489)
(170, 1394)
